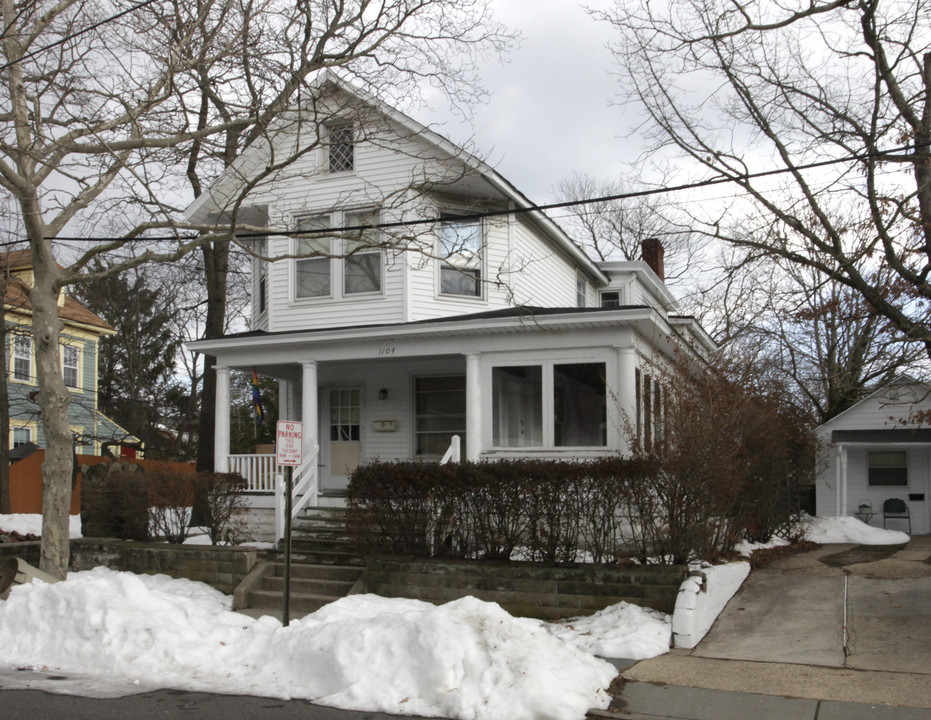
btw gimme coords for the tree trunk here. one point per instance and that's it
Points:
(53, 403)
(5, 507)
(216, 264)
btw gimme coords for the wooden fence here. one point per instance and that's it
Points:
(26, 480)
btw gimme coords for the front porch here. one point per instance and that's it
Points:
(566, 385)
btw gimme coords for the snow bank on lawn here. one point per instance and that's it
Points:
(620, 631)
(466, 659)
(701, 599)
(30, 524)
(826, 530)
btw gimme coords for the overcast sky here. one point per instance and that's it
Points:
(550, 113)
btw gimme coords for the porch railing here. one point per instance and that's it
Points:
(305, 490)
(454, 452)
(260, 471)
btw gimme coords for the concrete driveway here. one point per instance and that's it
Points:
(844, 622)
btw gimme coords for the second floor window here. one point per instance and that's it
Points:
(22, 358)
(362, 267)
(611, 299)
(70, 365)
(342, 263)
(461, 253)
(312, 274)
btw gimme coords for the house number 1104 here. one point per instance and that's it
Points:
(386, 350)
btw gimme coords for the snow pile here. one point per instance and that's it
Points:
(27, 524)
(466, 659)
(826, 530)
(620, 631)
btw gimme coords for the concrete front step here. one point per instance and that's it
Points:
(312, 586)
(299, 602)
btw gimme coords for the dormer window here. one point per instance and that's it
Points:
(611, 299)
(461, 253)
(341, 149)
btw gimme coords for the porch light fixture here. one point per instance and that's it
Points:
(383, 394)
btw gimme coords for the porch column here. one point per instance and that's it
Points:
(473, 408)
(309, 414)
(626, 395)
(841, 480)
(221, 431)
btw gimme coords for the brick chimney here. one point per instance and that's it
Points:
(652, 253)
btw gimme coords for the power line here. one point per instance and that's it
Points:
(854, 157)
(76, 34)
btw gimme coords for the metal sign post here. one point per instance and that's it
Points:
(288, 452)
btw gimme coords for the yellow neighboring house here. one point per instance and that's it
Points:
(81, 331)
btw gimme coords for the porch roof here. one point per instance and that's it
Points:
(505, 320)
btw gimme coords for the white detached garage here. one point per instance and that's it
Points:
(879, 450)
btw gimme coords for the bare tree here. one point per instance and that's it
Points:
(99, 103)
(833, 95)
(614, 229)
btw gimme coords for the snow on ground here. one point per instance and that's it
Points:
(466, 659)
(826, 530)
(27, 524)
(620, 631)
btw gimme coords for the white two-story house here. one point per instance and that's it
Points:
(463, 313)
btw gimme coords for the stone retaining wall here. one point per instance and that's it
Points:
(28, 551)
(220, 567)
(527, 589)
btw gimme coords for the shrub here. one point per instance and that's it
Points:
(114, 501)
(171, 497)
(225, 507)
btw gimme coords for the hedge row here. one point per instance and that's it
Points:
(544, 511)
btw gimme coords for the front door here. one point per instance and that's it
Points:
(342, 420)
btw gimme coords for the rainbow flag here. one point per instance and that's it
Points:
(257, 398)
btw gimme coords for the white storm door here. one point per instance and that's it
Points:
(342, 417)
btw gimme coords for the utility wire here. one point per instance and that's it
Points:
(854, 157)
(78, 33)
(518, 211)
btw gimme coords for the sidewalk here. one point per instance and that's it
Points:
(840, 632)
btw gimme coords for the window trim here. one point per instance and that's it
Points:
(443, 263)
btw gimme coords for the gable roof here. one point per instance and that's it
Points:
(16, 297)
(329, 79)
(901, 379)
